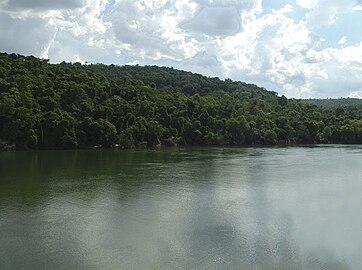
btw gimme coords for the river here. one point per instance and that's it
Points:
(193, 208)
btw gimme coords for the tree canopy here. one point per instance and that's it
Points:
(69, 105)
(348, 104)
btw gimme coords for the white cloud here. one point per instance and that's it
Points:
(45, 53)
(271, 51)
(41, 28)
(357, 8)
(326, 11)
(342, 40)
(307, 3)
(348, 57)
(177, 29)
(133, 63)
(286, 9)
(282, 54)
(143, 33)
(355, 94)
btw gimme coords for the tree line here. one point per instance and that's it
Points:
(70, 105)
(349, 104)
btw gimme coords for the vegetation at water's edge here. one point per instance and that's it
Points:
(58, 106)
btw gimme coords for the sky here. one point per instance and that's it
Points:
(298, 48)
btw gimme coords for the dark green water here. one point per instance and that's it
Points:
(201, 208)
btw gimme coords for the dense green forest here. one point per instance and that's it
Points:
(61, 106)
(348, 104)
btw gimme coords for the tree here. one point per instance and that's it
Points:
(59, 130)
(70, 105)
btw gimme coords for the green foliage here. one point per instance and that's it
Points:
(58, 130)
(348, 104)
(46, 106)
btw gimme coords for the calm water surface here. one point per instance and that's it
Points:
(200, 208)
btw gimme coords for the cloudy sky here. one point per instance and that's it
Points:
(299, 48)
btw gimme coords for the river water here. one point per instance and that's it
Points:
(198, 208)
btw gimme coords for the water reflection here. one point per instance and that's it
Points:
(207, 208)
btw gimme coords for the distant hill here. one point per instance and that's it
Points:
(349, 104)
(70, 105)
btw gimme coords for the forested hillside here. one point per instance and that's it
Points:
(348, 104)
(59, 106)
